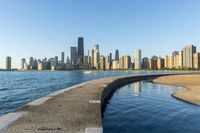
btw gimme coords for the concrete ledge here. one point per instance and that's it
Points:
(93, 130)
(7, 119)
(75, 109)
(45, 98)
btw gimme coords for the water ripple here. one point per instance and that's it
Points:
(143, 107)
(19, 88)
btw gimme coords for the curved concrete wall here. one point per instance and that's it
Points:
(110, 89)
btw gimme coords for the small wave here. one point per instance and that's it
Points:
(87, 72)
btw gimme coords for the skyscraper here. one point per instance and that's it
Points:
(68, 64)
(63, 57)
(117, 55)
(160, 63)
(35, 64)
(137, 58)
(96, 57)
(111, 60)
(31, 63)
(107, 62)
(56, 60)
(121, 62)
(102, 62)
(196, 60)
(127, 62)
(153, 62)
(23, 62)
(180, 60)
(52, 64)
(145, 63)
(87, 61)
(68, 60)
(92, 58)
(8, 63)
(80, 50)
(176, 59)
(188, 52)
(73, 55)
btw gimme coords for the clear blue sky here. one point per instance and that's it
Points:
(44, 28)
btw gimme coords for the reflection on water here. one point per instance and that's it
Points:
(144, 107)
(137, 88)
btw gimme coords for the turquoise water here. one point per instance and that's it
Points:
(19, 88)
(144, 107)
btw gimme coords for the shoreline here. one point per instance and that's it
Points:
(7, 119)
(191, 83)
(43, 114)
(77, 108)
(92, 70)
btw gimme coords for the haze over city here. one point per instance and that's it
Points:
(156, 27)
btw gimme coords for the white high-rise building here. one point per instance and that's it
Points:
(96, 57)
(127, 62)
(137, 58)
(107, 62)
(23, 62)
(188, 52)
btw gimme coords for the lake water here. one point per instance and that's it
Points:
(19, 88)
(144, 107)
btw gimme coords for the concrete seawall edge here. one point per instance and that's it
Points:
(105, 94)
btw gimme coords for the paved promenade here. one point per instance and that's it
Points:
(72, 111)
(76, 109)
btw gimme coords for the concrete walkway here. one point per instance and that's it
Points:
(68, 111)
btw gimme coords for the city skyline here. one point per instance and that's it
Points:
(155, 27)
(185, 59)
(94, 58)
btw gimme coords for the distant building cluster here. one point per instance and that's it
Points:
(77, 61)
(187, 58)
(45, 64)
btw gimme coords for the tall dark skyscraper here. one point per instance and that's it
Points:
(117, 55)
(62, 57)
(73, 56)
(80, 50)
(31, 61)
(110, 59)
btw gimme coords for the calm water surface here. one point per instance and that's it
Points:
(19, 88)
(144, 107)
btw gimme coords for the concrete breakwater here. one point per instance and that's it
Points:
(75, 109)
